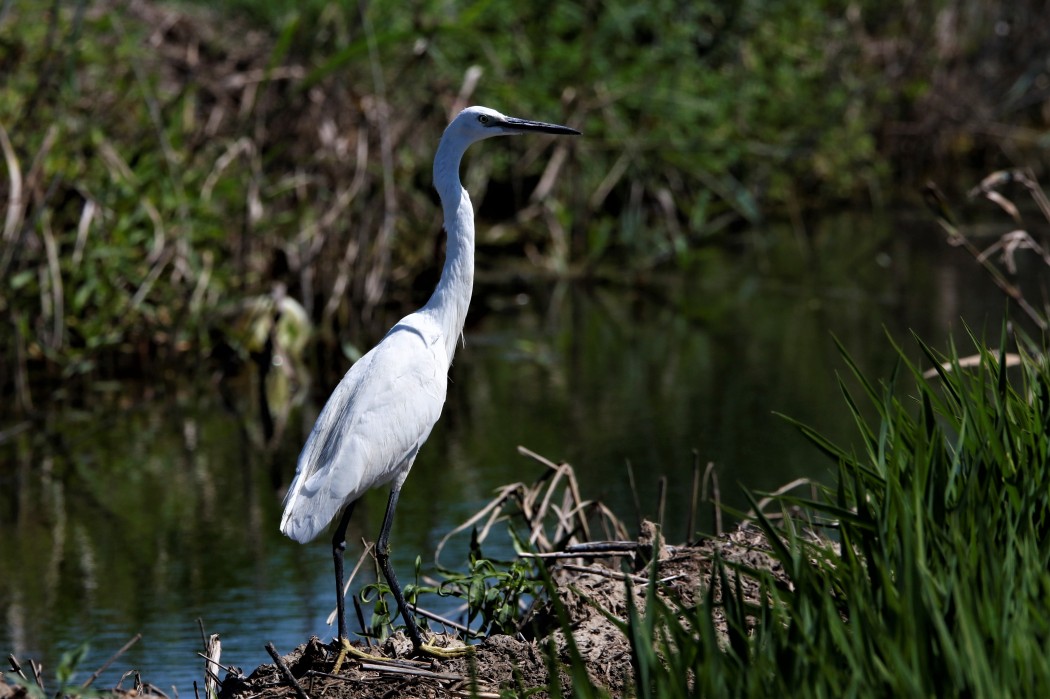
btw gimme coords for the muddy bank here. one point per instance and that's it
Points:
(503, 663)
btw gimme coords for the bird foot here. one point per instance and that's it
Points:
(431, 649)
(450, 651)
(446, 653)
(348, 648)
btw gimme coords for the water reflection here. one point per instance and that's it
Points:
(141, 509)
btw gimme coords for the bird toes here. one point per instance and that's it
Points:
(456, 649)
(348, 649)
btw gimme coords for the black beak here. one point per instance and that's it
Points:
(543, 127)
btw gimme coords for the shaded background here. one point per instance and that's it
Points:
(210, 212)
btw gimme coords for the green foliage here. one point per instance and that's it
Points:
(691, 111)
(384, 609)
(495, 592)
(170, 169)
(115, 247)
(937, 580)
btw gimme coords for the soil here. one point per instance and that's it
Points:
(516, 665)
(591, 586)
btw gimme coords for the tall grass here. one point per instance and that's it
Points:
(933, 576)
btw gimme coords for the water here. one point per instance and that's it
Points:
(141, 509)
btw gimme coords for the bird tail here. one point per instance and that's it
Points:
(297, 521)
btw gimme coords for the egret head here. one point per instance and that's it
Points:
(477, 123)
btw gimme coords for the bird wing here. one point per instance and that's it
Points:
(372, 426)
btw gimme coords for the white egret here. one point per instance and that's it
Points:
(374, 423)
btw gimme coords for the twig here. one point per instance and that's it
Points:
(285, 672)
(442, 620)
(553, 555)
(634, 495)
(38, 672)
(606, 546)
(13, 661)
(412, 671)
(690, 524)
(361, 621)
(661, 501)
(504, 494)
(606, 573)
(58, 308)
(716, 495)
(228, 668)
(87, 214)
(779, 491)
(15, 203)
(955, 237)
(122, 651)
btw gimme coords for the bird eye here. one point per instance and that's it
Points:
(483, 119)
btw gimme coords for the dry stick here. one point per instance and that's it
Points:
(1029, 181)
(776, 493)
(496, 515)
(58, 310)
(957, 238)
(38, 672)
(576, 554)
(87, 214)
(537, 526)
(634, 495)
(594, 549)
(227, 668)
(503, 495)
(574, 488)
(204, 636)
(716, 495)
(600, 546)
(617, 575)
(690, 525)
(13, 661)
(412, 671)
(361, 622)
(442, 620)
(15, 203)
(661, 502)
(285, 672)
(609, 517)
(122, 651)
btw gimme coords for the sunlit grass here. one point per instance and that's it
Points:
(932, 577)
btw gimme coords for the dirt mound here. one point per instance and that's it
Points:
(503, 663)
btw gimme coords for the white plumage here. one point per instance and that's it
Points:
(383, 410)
(372, 426)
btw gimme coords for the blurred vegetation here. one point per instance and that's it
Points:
(170, 167)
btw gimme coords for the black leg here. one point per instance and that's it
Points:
(383, 557)
(338, 547)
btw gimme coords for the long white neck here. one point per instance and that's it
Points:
(451, 298)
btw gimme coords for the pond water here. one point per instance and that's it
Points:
(139, 509)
